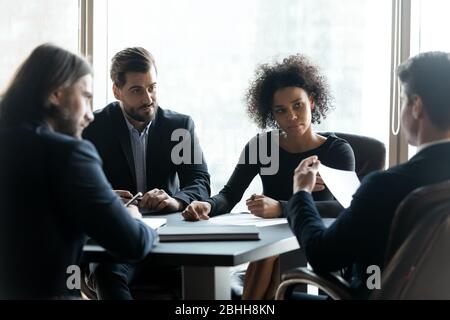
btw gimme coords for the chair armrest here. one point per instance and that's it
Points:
(333, 285)
(87, 284)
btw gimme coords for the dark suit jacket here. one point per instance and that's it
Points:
(109, 133)
(359, 236)
(53, 195)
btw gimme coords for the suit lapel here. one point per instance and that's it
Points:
(120, 127)
(154, 144)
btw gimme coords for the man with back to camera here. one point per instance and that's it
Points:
(358, 238)
(134, 137)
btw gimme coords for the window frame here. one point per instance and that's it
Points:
(400, 51)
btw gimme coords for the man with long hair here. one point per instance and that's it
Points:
(53, 192)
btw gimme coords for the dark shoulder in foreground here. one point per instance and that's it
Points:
(66, 142)
(40, 139)
(38, 131)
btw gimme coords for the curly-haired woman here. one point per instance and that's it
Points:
(289, 97)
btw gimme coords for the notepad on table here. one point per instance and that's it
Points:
(154, 223)
(207, 233)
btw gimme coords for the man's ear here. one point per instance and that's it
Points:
(55, 98)
(116, 91)
(313, 105)
(417, 108)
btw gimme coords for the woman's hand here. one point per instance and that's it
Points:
(320, 185)
(197, 210)
(264, 207)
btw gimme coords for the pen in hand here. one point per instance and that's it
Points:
(139, 194)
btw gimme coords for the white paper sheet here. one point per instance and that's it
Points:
(342, 184)
(154, 223)
(245, 219)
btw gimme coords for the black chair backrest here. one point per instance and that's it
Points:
(418, 259)
(370, 154)
(411, 210)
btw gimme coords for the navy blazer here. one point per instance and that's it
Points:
(53, 195)
(359, 236)
(109, 133)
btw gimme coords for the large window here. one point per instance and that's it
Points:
(206, 53)
(24, 24)
(429, 22)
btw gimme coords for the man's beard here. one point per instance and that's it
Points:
(136, 116)
(65, 124)
(68, 127)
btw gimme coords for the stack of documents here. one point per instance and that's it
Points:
(207, 232)
(246, 219)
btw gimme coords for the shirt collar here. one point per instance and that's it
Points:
(131, 127)
(433, 143)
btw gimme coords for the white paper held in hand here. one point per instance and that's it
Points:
(342, 184)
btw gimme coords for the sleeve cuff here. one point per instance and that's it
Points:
(183, 198)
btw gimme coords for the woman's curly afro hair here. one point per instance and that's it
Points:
(293, 71)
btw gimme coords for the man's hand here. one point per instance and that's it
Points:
(305, 174)
(264, 207)
(134, 212)
(197, 210)
(159, 200)
(124, 195)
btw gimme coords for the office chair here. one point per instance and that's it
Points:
(417, 263)
(370, 156)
